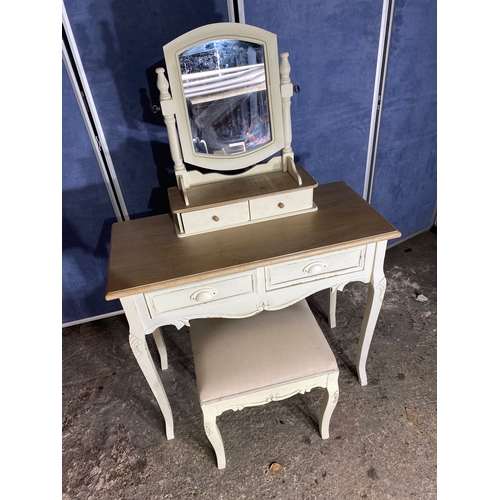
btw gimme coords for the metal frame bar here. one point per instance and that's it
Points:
(236, 15)
(378, 95)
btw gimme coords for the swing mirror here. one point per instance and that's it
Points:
(225, 86)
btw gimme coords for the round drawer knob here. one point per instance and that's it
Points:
(215, 218)
(281, 205)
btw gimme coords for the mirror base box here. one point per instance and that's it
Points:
(241, 201)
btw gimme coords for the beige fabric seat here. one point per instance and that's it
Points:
(256, 360)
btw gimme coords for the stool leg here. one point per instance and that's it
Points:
(213, 434)
(330, 398)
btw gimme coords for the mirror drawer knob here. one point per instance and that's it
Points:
(281, 205)
(215, 218)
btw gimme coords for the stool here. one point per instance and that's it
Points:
(253, 361)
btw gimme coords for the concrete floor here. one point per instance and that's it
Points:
(382, 436)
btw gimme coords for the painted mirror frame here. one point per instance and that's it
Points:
(237, 154)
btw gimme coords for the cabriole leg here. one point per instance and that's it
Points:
(141, 352)
(143, 356)
(213, 434)
(376, 292)
(330, 398)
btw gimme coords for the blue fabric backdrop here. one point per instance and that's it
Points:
(405, 185)
(333, 54)
(87, 217)
(120, 44)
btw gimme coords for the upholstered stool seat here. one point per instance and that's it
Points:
(256, 360)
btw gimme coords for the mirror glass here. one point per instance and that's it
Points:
(224, 83)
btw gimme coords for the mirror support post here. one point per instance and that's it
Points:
(288, 163)
(168, 111)
(286, 94)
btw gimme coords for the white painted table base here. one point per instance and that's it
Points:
(141, 323)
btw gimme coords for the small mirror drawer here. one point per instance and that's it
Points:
(280, 204)
(215, 218)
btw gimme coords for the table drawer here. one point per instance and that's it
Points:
(164, 301)
(314, 268)
(215, 218)
(281, 204)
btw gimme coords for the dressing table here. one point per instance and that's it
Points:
(161, 279)
(262, 238)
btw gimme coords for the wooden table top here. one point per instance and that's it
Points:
(146, 254)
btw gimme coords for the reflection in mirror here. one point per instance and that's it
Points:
(224, 85)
